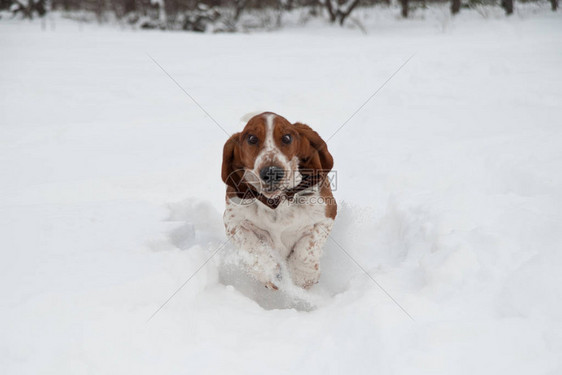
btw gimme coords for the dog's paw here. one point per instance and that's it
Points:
(304, 277)
(276, 280)
(272, 279)
(307, 283)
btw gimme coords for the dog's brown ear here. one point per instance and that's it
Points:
(313, 152)
(230, 162)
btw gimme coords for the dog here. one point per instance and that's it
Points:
(279, 203)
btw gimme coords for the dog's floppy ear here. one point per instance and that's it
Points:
(313, 152)
(230, 162)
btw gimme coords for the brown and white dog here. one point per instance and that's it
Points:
(279, 203)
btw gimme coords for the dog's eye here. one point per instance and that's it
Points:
(287, 139)
(252, 139)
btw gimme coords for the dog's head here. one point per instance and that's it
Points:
(271, 156)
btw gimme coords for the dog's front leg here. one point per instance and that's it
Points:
(255, 248)
(304, 261)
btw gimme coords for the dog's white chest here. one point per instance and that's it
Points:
(282, 226)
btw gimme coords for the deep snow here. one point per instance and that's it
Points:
(449, 183)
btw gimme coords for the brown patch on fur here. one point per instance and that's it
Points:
(328, 197)
(313, 151)
(270, 285)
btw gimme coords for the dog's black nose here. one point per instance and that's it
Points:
(272, 174)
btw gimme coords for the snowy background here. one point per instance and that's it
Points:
(449, 183)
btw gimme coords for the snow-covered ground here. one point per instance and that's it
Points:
(449, 183)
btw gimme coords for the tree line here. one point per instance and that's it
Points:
(197, 15)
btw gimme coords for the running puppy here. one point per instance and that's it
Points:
(279, 204)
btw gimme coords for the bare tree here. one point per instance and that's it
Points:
(239, 6)
(97, 7)
(508, 6)
(554, 4)
(339, 10)
(405, 7)
(28, 8)
(455, 6)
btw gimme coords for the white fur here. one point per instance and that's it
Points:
(269, 142)
(245, 118)
(294, 232)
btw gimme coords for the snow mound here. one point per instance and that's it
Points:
(362, 245)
